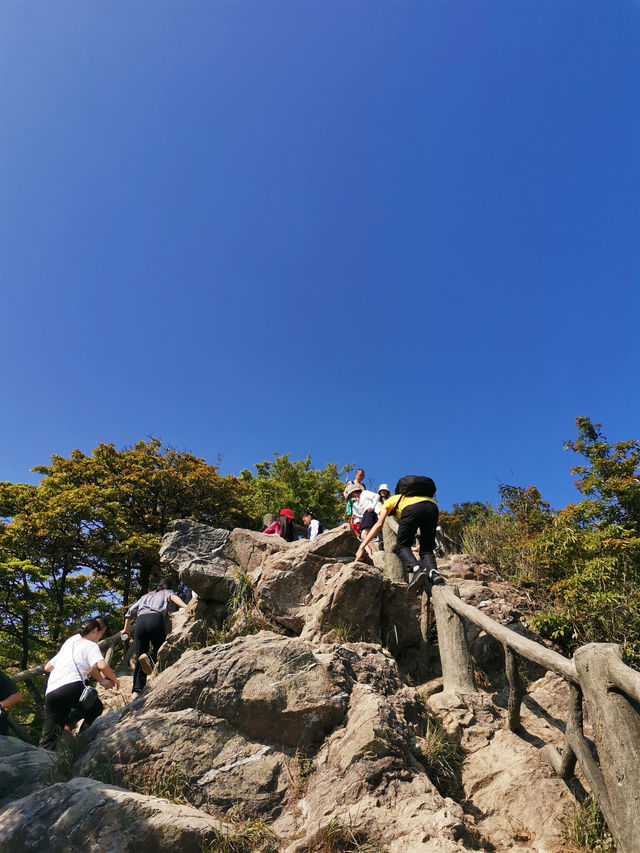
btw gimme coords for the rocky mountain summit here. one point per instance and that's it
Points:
(298, 707)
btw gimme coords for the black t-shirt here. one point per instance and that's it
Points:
(7, 687)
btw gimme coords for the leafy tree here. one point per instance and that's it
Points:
(504, 537)
(296, 485)
(591, 554)
(461, 516)
(86, 539)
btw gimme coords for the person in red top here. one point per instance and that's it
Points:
(283, 525)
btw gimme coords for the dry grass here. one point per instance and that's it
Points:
(338, 837)
(586, 831)
(251, 836)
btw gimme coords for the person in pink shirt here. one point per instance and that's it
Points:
(283, 525)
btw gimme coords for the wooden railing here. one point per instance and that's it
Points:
(596, 674)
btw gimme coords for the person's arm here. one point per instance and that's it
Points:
(177, 600)
(10, 701)
(274, 527)
(126, 631)
(48, 667)
(106, 676)
(377, 527)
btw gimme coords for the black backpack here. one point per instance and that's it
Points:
(415, 486)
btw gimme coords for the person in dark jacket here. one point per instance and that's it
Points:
(149, 630)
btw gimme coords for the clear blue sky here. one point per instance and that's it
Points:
(400, 234)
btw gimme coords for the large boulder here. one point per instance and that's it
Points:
(269, 687)
(190, 629)
(345, 604)
(251, 549)
(338, 543)
(85, 815)
(366, 777)
(23, 768)
(200, 556)
(227, 720)
(283, 592)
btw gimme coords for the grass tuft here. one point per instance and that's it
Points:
(338, 837)
(252, 836)
(586, 831)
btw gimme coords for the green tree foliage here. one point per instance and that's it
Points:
(504, 537)
(296, 485)
(583, 562)
(460, 517)
(590, 556)
(86, 539)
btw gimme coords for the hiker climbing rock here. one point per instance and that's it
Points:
(414, 506)
(78, 657)
(149, 630)
(314, 527)
(9, 696)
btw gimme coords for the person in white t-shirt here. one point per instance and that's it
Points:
(79, 657)
(365, 511)
(314, 527)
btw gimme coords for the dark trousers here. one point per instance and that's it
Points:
(61, 706)
(150, 631)
(421, 516)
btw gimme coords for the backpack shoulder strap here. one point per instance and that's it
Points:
(395, 508)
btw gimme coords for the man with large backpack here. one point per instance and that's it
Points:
(414, 506)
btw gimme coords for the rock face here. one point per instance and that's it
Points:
(23, 767)
(283, 591)
(83, 815)
(314, 731)
(345, 604)
(229, 719)
(232, 721)
(251, 549)
(198, 553)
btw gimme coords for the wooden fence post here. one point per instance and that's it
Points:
(516, 688)
(393, 569)
(457, 666)
(616, 726)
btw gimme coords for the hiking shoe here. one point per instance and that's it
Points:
(435, 578)
(418, 580)
(145, 664)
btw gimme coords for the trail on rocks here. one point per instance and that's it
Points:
(306, 726)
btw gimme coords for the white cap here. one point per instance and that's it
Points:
(383, 486)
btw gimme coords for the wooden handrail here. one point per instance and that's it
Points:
(522, 645)
(625, 678)
(611, 691)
